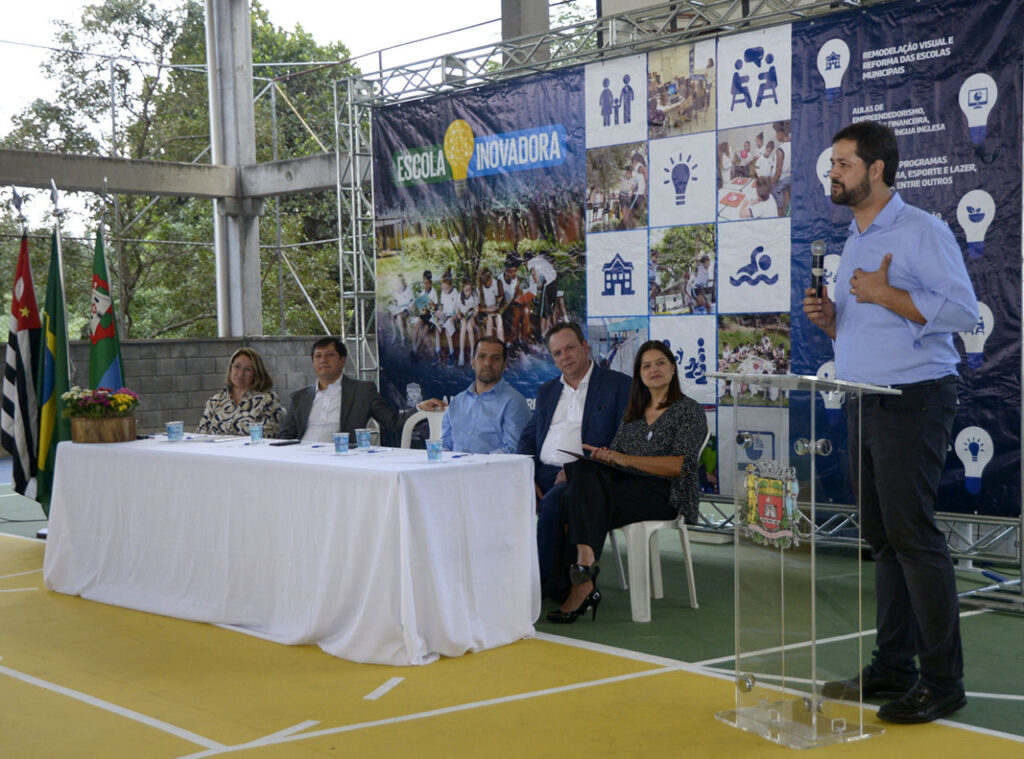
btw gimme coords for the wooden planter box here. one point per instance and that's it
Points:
(109, 429)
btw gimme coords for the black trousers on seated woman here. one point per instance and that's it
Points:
(599, 498)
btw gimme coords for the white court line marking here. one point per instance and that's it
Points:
(294, 728)
(807, 681)
(267, 741)
(166, 727)
(806, 643)
(16, 590)
(729, 674)
(19, 574)
(375, 694)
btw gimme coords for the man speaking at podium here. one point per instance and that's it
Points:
(902, 291)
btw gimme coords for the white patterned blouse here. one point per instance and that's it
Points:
(222, 416)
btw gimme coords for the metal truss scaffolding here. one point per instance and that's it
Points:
(356, 264)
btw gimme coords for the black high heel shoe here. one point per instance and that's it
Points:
(579, 575)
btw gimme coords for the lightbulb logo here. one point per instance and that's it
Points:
(833, 60)
(975, 212)
(833, 398)
(974, 449)
(978, 94)
(823, 168)
(679, 176)
(974, 340)
(459, 142)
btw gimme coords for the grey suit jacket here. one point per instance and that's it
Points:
(360, 400)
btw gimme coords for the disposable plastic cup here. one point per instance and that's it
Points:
(363, 438)
(434, 450)
(256, 433)
(175, 431)
(341, 443)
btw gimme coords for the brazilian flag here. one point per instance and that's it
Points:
(53, 377)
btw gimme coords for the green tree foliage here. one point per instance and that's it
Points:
(680, 248)
(161, 251)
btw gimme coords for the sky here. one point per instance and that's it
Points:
(363, 26)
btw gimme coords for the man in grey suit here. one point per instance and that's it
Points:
(336, 403)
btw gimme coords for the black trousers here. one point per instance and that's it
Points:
(597, 499)
(903, 452)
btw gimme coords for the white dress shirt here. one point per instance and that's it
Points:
(565, 432)
(324, 414)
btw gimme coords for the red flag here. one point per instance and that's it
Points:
(20, 418)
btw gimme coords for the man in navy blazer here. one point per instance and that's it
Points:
(584, 405)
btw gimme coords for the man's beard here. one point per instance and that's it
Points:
(851, 197)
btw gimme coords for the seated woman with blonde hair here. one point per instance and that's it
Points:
(245, 400)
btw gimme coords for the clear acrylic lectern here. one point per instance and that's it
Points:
(798, 607)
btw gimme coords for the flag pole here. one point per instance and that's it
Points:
(119, 313)
(60, 268)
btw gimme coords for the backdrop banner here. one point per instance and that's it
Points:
(947, 78)
(674, 195)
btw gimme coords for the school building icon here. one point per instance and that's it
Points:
(618, 273)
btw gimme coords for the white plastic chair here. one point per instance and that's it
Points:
(433, 419)
(643, 559)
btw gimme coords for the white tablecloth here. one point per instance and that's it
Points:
(376, 557)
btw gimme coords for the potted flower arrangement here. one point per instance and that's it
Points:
(101, 415)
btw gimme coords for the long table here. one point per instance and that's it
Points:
(379, 557)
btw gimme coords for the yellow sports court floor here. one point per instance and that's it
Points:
(81, 679)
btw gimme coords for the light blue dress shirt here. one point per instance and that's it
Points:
(876, 345)
(490, 422)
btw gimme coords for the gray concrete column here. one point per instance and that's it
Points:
(523, 17)
(233, 143)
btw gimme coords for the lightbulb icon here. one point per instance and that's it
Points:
(459, 142)
(833, 398)
(975, 212)
(823, 168)
(978, 94)
(680, 175)
(974, 448)
(833, 60)
(974, 340)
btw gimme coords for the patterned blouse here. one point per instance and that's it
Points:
(679, 431)
(222, 416)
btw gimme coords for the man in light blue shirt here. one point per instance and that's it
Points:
(489, 415)
(901, 291)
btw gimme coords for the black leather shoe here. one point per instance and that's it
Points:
(922, 704)
(875, 686)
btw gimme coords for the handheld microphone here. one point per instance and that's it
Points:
(818, 248)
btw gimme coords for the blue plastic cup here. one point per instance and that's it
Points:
(434, 449)
(256, 433)
(363, 438)
(175, 431)
(341, 442)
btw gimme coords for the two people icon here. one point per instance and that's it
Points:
(611, 105)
